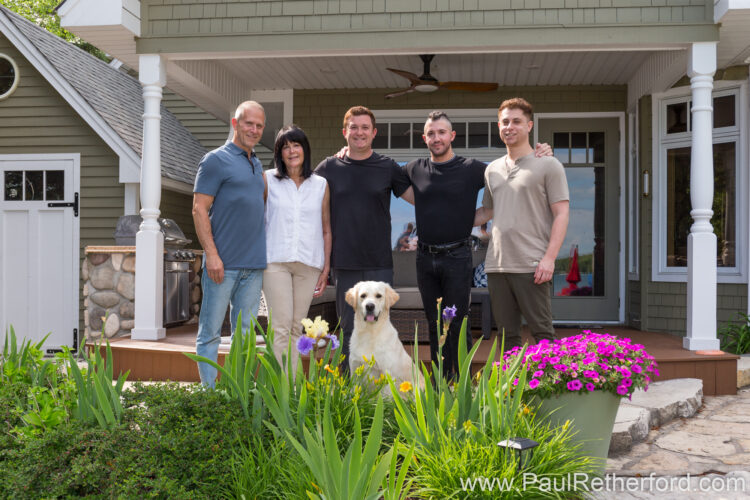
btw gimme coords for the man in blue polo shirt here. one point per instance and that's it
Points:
(228, 210)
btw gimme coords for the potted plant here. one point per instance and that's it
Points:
(580, 380)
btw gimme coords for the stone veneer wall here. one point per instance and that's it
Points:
(109, 291)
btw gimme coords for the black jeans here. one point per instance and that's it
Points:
(448, 275)
(346, 279)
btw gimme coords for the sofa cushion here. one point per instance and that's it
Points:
(409, 298)
(329, 295)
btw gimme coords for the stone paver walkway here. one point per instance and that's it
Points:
(712, 447)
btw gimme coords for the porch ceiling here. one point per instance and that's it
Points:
(507, 69)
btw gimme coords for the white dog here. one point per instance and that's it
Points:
(374, 335)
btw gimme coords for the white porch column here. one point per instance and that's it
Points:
(149, 242)
(701, 288)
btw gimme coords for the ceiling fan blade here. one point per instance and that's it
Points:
(469, 86)
(406, 74)
(400, 93)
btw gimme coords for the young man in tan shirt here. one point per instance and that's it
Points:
(527, 198)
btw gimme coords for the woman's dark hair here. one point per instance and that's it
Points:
(291, 133)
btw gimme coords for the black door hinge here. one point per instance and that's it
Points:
(63, 204)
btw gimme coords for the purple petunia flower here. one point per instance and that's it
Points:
(533, 384)
(334, 341)
(590, 386)
(622, 390)
(305, 345)
(575, 385)
(538, 373)
(627, 382)
(590, 374)
(636, 369)
(449, 313)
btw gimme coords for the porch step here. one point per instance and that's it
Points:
(662, 403)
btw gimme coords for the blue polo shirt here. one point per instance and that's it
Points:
(237, 213)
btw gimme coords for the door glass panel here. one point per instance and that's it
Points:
(677, 118)
(724, 111)
(561, 146)
(579, 268)
(13, 182)
(55, 185)
(578, 147)
(678, 204)
(596, 147)
(34, 185)
(400, 133)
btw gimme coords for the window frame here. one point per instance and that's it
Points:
(388, 116)
(14, 86)
(661, 272)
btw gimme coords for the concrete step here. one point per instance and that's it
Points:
(662, 403)
(743, 371)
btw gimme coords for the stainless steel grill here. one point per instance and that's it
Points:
(177, 262)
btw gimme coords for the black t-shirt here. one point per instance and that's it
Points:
(361, 209)
(445, 197)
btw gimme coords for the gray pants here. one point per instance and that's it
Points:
(515, 294)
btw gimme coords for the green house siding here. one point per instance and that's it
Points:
(320, 112)
(36, 119)
(210, 131)
(663, 305)
(192, 25)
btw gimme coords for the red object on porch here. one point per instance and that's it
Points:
(574, 275)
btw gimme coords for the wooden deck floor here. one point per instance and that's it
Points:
(163, 360)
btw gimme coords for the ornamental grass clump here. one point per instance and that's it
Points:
(585, 363)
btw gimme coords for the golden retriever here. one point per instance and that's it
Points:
(374, 335)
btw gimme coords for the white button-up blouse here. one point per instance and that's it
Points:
(294, 220)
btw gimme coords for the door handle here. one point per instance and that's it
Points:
(74, 204)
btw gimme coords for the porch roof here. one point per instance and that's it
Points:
(117, 98)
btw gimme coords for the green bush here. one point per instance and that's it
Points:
(735, 338)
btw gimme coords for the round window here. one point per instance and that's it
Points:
(8, 76)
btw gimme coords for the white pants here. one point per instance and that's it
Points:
(289, 288)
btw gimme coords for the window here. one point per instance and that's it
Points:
(672, 202)
(8, 76)
(34, 185)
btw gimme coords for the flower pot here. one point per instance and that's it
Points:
(592, 417)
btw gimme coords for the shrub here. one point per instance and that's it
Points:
(735, 338)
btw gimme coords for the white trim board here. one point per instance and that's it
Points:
(620, 115)
(660, 272)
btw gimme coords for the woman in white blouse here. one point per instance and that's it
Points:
(298, 239)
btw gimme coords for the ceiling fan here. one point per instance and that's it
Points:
(428, 83)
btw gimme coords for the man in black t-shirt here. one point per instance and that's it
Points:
(445, 197)
(360, 184)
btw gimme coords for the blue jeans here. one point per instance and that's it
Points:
(448, 275)
(240, 290)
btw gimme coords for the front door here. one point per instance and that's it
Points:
(39, 247)
(586, 281)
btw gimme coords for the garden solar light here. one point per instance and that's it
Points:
(520, 445)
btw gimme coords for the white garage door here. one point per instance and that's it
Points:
(39, 249)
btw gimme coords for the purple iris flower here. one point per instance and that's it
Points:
(449, 313)
(305, 345)
(334, 342)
